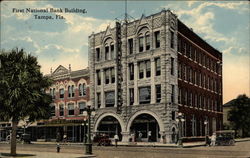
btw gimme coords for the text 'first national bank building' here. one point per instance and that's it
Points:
(145, 72)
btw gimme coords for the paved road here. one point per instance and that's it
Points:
(240, 150)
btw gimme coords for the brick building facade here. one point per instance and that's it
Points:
(144, 72)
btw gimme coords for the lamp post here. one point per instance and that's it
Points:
(205, 123)
(88, 111)
(180, 120)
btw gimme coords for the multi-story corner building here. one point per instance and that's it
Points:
(70, 94)
(145, 72)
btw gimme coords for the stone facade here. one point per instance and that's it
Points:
(144, 43)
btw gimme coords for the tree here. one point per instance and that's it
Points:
(22, 88)
(239, 114)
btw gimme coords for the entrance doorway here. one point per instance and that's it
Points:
(145, 128)
(110, 126)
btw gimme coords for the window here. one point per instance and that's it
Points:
(140, 44)
(98, 54)
(81, 105)
(191, 99)
(112, 75)
(98, 99)
(173, 115)
(172, 39)
(131, 71)
(185, 48)
(195, 77)
(98, 75)
(195, 55)
(190, 75)
(148, 68)
(144, 95)
(130, 46)
(131, 96)
(82, 89)
(157, 67)
(61, 92)
(106, 52)
(72, 91)
(112, 51)
(179, 96)
(172, 66)
(141, 70)
(172, 93)
(147, 42)
(71, 109)
(179, 70)
(61, 110)
(184, 72)
(157, 39)
(179, 45)
(158, 93)
(54, 93)
(110, 99)
(107, 76)
(69, 91)
(52, 110)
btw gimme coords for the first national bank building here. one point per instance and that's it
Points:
(144, 73)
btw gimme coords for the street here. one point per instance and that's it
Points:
(240, 150)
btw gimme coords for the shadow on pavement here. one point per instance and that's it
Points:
(17, 155)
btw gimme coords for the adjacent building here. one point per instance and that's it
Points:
(144, 73)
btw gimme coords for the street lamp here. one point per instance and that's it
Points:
(205, 123)
(88, 111)
(180, 119)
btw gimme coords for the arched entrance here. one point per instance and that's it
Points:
(145, 128)
(110, 126)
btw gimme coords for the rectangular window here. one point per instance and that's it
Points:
(112, 75)
(107, 75)
(61, 110)
(144, 95)
(190, 75)
(82, 105)
(148, 68)
(54, 93)
(61, 92)
(179, 45)
(185, 48)
(131, 71)
(179, 96)
(71, 109)
(98, 99)
(130, 46)
(110, 99)
(140, 44)
(195, 55)
(184, 72)
(69, 91)
(106, 52)
(98, 76)
(112, 51)
(158, 93)
(172, 93)
(191, 99)
(173, 115)
(98, 54)
(157, 39)
(131, 96)
(157, 67)
(172, 66)
(172, 39)
(141, 70)
(147, 42)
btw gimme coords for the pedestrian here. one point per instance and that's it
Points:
(116, 140)
(65, 138)
(149, 136)
(58, 148)
(140, 136)
(213, 139)
(207, 140)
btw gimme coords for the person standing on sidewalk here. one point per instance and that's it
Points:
(58, 148)
(213, 139)
(116, 140)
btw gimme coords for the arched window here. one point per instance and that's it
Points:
(84, 89)
(80, 89)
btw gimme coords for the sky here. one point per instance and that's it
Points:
(224, 25)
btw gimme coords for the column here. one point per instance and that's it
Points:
(125, 136)
(102, 89)
(136, 84)
(153, 94)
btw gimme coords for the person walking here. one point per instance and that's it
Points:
(116, 140)
(140, 136)
(58, 148)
